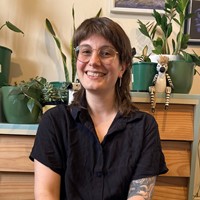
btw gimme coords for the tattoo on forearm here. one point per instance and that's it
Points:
(142, 187)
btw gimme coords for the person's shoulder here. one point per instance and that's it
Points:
(58, 110)
(141, 114)
(141, 117)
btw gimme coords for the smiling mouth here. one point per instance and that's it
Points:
(95, 74)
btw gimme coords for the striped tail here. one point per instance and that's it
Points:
(152, 92)
(167, 97)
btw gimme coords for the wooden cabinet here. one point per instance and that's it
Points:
(16, 170)
(179, 131)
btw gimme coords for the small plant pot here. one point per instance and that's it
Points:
(16, 108)
(181, 74)
(143, 74)
(5, 58)
(2, 117)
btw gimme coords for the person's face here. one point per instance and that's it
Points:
(97, 74)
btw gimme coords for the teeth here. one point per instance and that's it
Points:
(95, 74)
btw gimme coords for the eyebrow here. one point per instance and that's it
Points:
(100, 47)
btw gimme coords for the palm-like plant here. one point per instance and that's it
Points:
(160, 30)
(58, 43)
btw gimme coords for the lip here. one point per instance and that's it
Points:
(94, 74)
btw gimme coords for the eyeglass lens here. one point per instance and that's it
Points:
(106, 53)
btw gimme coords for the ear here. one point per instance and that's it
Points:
(122, 70)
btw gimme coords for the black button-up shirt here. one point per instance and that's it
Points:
(67, 143)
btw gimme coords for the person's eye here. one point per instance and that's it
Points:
(86, 51)
(106, 53)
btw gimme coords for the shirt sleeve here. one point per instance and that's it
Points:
(48, 145)
(151, 161)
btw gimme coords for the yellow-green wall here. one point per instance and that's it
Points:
(36, 53)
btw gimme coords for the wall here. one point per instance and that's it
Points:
(36, 53)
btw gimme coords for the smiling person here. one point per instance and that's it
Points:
(101, 147)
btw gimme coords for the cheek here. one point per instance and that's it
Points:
(80, 66)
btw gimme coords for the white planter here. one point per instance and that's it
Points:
(155, 58)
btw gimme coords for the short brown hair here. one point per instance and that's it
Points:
(112, 32)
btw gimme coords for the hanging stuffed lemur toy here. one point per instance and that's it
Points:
(161, 83)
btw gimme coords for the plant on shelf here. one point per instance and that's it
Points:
(160, 32)
(144, 57)
(5, 55)
(59, 45)
(22, 101)
(191, 58)
(53, 94)
(143, 71)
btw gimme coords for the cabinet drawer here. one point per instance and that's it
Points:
(14, 153)
(176, 123)
(177, 156)
(19, 186)
(171, 188)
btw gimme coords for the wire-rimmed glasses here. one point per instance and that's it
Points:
(106, 54)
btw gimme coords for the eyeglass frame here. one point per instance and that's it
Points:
(77, 49)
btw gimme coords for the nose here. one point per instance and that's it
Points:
(94, 58)
(162, 69)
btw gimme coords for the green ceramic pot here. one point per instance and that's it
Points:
(2, 118)
(5, 57)
(181, 74)
(17, 108)
(143, 74)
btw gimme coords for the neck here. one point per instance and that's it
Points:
(101, 104)
(102, 110)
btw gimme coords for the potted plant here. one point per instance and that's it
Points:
(143, 71)
(59, 45)
(159, 32)
(5, 55)
(22, 102)
(54, 94)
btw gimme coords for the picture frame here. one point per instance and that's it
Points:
(192, 26)
(132, 7)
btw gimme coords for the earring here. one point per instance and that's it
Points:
(120, 81)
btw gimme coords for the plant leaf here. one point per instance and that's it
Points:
(58, 43)
(13, 27)
(99, 13)
(50, 27)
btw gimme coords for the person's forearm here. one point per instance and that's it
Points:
(142, 189)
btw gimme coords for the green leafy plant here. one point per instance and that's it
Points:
(159, 31)
(188, 57)
(59, 45)
(144, 57)
(22, 101)
(12, 27)
(53, 94)
(31, 89)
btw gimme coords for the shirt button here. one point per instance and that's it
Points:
(99, 174)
